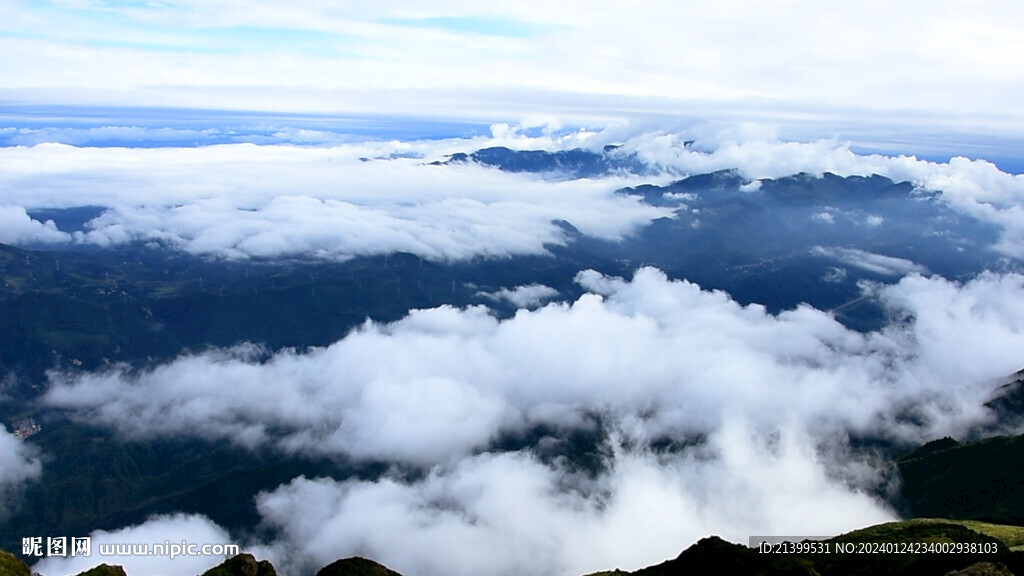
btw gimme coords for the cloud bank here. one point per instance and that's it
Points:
(17, 227)
(243, 201)
(248, 201)
(759, 408)
(510, 514)
(976, 188)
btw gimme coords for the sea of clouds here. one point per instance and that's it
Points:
(761, 407)
(247, 201)
(773, 398)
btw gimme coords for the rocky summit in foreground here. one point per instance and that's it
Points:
(912, 547)
(242, 565)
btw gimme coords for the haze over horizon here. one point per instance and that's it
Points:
(808, 69)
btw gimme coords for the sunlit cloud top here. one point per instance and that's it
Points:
(961, 62)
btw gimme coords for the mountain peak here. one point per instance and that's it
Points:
(242, 565)
(356, 566)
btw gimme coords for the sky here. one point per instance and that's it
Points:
(831, 66)
(240, 129)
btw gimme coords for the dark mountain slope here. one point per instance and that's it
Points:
(575, 163)
(982, 480)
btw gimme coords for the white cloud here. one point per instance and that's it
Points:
(244, 200)
(877, 263)
(241, 201)
(17, 227)
(87, 136)
(511, 514)
(18, 464)
(980, 320)
(529, 296)
(825, 217)
(157, 530)
(653, 352)
(752, 186)
(976, 188)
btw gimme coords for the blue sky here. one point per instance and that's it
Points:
(931, 78)
(938, 57)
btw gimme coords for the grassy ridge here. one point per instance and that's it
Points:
(1010, 535)
(716, 556)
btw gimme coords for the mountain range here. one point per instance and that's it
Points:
(824, 242)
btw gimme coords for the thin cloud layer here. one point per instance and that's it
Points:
(18, 464)
(528, 296)
(876, 263)
(952, 60)
(93, 136)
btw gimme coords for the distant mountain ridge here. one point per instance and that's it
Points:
(574, 163)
